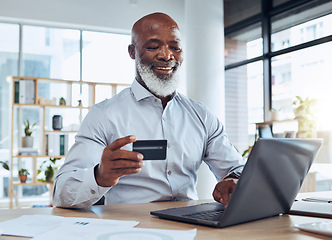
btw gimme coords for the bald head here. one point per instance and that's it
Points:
(151, 23)
(157, 50)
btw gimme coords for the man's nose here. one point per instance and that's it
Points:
(165, 54)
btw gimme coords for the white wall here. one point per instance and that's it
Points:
(111, 15)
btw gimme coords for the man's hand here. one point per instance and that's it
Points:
(223, 190)
(116, 162)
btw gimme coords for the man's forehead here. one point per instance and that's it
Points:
(151, 30)
(155, 25)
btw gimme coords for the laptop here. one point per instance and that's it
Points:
(269, 183)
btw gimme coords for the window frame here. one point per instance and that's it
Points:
(267, 13)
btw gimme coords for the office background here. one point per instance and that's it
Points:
(272, 52)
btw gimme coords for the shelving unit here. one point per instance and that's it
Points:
(77, 105)
(284, 128)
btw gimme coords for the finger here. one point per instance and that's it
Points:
(125, 171)
(120, 142)
(122, 154)
(224, 199)
(227, 191)
(124, 164)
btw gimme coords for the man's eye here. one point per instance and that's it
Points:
(176, 48)
(152, 48)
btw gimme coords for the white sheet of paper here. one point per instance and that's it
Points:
(86, 232)
(34, 225)
(321, 227)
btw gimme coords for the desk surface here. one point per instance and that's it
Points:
(272, 228)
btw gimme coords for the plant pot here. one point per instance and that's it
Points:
(275, 116)
(27, 142)
(23, 178)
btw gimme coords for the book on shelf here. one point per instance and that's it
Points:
(17, 92)
(56, 144)
(24, 91)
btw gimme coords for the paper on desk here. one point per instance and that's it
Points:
(85, 232)
(33, 225)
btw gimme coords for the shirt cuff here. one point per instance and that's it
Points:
(92, 192)
(235, 175)
(89, 177)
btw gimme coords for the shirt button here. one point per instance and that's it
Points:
(169, 172)
(93, 191)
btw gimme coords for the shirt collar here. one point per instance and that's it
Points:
(141, 92)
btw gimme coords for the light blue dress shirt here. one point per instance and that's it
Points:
(193, 135)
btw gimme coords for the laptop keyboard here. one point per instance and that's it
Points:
(208, 215)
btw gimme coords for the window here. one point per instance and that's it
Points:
(106, 58)
(9, 47)
(244, 103)
(290, 43)
(56, 53)
(51, 52)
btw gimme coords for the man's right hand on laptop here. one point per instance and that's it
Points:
(224, 189)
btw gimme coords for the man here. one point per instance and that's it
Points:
(102, 163)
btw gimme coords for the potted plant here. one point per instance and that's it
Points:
(62, 101)
(304, 113)
(27, 140)
(275, 114)
(4, 165)
(49, 168)
(23, 175)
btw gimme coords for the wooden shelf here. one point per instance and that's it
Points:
(60, 131)
(49, 106)
(275, 121)
(37, 156)
(32, 183)
(42, 108)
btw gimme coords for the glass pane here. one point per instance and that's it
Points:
(296, 74)
(106, 58)
(9, 47)
(295, 29)
(51, 52)
(244, 103)
(243, 45)
(239, 10)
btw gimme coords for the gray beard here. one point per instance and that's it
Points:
(159, 86)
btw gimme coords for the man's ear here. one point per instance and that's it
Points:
(131, 51)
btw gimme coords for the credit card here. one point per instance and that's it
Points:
(151, 149)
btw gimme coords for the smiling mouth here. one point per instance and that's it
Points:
(164, 68)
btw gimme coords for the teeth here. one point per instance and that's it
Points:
(164, 68)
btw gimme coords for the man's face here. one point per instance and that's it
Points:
(158, 54)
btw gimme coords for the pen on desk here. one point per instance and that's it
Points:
(319, 200)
